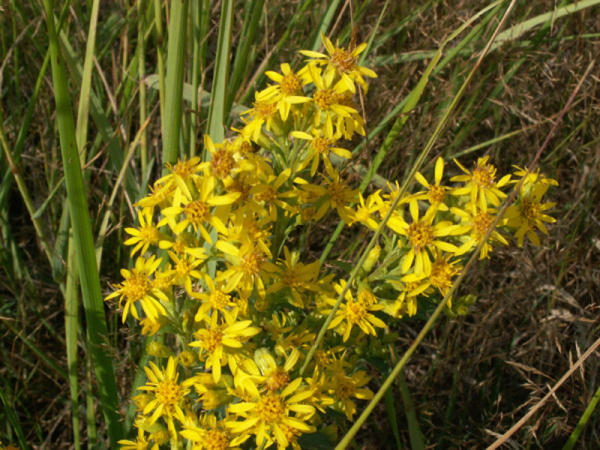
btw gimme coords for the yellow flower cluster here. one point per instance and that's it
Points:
(215, 266)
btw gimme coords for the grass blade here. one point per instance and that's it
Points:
(174, 90)
(82, 234)
(217, 112)
(583, 421)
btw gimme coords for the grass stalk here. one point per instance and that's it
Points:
(174, 89)
(97, 331)
(591, 407)
(217, 113)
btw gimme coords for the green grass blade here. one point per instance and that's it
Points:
(81, 129)
(196, 38)
(174, 91)
(14, 420)
(518, 30)
(217, 112)
(82, 234)
(414, 430)
(71, 332)
(160, 58)
(324, 25)
(393, 417)
(247, 40)
(583, 421)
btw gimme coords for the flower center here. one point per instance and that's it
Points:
(290, 84)
(355, 312)
(184, 168)
(367, 298)
(212, 340)
(484, 175)
(219, 300)
(169, 393)
(251, 263)
(270, 408)
(325, 98)
(216, 440)
(337, 192)
(264, 110)
(420, 235)
(222, 163)
(343, 60)
(482, 223)
(268, 195)
(290, 278)
(437, 194)
(442, 273)
(322, 145)
(136, 287)
(197, 212)
(277, 381)
(344, 388)
(183, 267)
(530, 210)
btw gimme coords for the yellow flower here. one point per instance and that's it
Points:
(197, 210)
(480, 184)
(297, 277)
(248, 267)
(147, 234)
(263, 112)
(327, 100)
(141, 443)
(138, 287)
(365, 212)
(345, 388)
(182, 175)
(320, 148)
(442, 274)
(477, 222)
(185, 269)
(334, 194)
(222, 163)
(422, 236)
(343, 62)
(288, 84)
(208, 434)
(216, 300)
(435, 194)
(216, 342)
(168, 393)
(268, 416)
(354, 313)
(267, 191)
(527, 213)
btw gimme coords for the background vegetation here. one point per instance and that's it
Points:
(474, 376)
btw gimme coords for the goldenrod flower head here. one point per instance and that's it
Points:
(527, 213)
(346, 388)
(477, 223)
(481, 184)
(343, 62)
(147, 234)
(354, 313)
(265, 415)
(168, 393)
(138, 287)
(422, 235)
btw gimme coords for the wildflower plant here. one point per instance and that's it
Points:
(216, 273)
